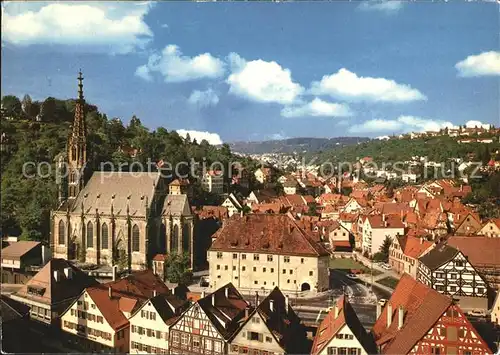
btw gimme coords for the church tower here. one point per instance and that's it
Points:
(77, 145)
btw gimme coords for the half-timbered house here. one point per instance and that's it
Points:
(341, 332)
(272, 328)
(207, 325)
(420, 320)
(447, 270)
(149, 324)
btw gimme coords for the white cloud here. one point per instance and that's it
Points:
(262, 81)
(387, 6)
(317, 107)
(203, 98)
(473, 124)
(176, 67)
(486, 63)
(116, 28)
(348, 86)
(212, 138)
(401, 124)
(144, 73)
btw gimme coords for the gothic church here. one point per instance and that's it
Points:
(115, 218)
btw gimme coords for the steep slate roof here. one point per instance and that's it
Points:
(266, 233)
(330, 326)
(168, 307)
(102, 186)
(230, 309)
(12, 309)
(176, 205)
(283, 323)
(440, 255)
(478, 249)
(56, 291)
(17, 249)
(422, 307)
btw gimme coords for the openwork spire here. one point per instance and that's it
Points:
(80, 85)
(79, 120)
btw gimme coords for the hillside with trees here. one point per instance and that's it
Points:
(37, 132)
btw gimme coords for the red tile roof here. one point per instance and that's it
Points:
(377, 221)
(414, 247)
(422, 308)
(479, 250)
(333, 323)
(17, 249)
(266, 233)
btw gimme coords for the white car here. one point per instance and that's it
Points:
(477, 313)
(352, 276)
(386, 266)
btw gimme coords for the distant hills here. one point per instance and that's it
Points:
(297, 145)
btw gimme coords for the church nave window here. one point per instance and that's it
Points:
(62, 232)
(90, 235)
(104, 236)
(135, 238)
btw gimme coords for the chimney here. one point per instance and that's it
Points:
(154, 293)
(246, 312)
(213, 299)
(287, 304)
(421, 240)
(110, 292)
(336, 310)
(379, 310)
(383, 217)
(271, 305)
(114, 272)
(226, 292)
(389, 314)
(203, 294)
(400, 317)
(256, 298)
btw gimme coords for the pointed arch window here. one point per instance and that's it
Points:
(174, 241)
(73, 153)
(90, 235)
(61, 229)
(135, 238)
(104, 236)
(186, 236)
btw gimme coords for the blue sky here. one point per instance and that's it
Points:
(253, 71)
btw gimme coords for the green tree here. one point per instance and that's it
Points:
(178, 269)
(383, 253)
(12, 105)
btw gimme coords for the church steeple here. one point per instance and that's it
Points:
(77, 145)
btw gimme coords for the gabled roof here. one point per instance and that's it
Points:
(127, 295)
(332, 324)
(230, 310)
(440, 255)
(422, 308)
(52, 291)
(266, 233)
(282, 322)
(12, 309)
(168, 307)
(113, 188)
(414, 247)
(17, 249)
(206, 212)
(176, 205)
(480, 250)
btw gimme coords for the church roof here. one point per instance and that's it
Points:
(176, 205)
(135, 189)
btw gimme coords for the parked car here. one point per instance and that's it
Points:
(352, 276)
(477, 313)
(386, 266)
(356, 271)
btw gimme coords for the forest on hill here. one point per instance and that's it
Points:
(38, 131)
(294, 145)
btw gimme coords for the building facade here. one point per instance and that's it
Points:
(447, 270)
(263, 251)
